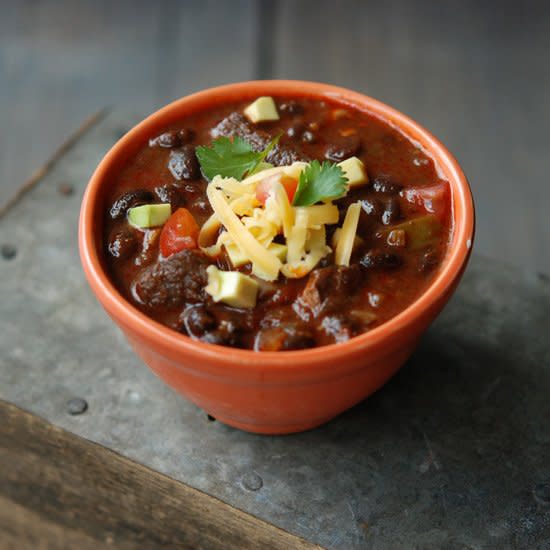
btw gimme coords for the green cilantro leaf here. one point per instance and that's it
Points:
(232, 158)
(319, 182)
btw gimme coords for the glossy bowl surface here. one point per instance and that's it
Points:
(275, 392)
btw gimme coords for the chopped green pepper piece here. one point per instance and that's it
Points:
(421, 232)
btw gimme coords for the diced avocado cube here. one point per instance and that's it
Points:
(262, 109)
(235, 255)
(232, 287)
(355, 171)
(149, 215)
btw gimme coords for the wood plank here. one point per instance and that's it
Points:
(474, 73)
(61, 491)
(62, 61)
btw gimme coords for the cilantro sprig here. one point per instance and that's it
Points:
(232, 158)
(320, 182)
(236, 158)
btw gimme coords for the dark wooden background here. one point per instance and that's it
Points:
(475, 73)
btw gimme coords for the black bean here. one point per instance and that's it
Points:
(233, 321)
(186, 135)
(339, 327)
(183, 163)
(167, 140)
(382, 184)
(129, 200)
(216, 324)
(238, 125)
(375, 259)
(308, 137)
(170, 193)
(197, 320)
(228, 331)
(221, 338)
(172, 139)
(392, 211)
(372, 207)
(343, 148)
(122, 244)
(428, 261)
(292, 108)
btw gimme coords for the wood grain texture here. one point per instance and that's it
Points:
(475, 73)
(58, 490)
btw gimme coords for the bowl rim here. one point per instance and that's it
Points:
(122, 310)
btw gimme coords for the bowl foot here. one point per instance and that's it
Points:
(272, 429)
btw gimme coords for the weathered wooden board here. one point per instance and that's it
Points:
(453, 452)
(61, 491)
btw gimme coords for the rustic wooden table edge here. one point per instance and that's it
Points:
(61, 490)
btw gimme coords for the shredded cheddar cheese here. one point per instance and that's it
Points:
(265, 264)
(320, 214)
(296, 241)
(279, 204)
(248, 230)
(346, 238)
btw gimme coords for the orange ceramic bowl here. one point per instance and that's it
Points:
(274, 392)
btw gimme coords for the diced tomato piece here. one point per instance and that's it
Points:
(290, 185)
(263, 189)
(435, 199)
(179, 232)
